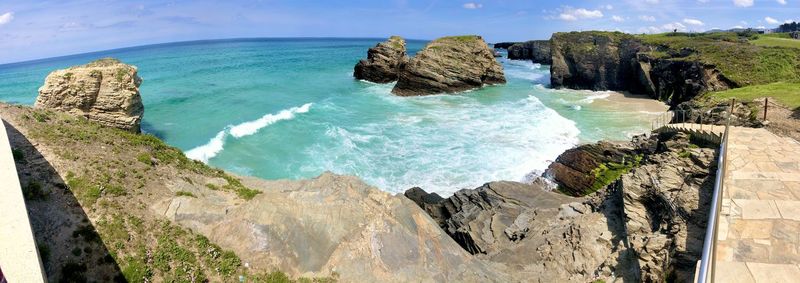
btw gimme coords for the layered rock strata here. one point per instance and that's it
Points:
(621, 62)
(106, 91)
(383, 61)
(448, 65)
(645, 227)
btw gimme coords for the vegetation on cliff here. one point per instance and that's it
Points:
(90, 188)
(739, 60)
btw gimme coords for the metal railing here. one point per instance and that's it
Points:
(707, 262)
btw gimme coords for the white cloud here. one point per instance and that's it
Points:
(761, 27)
(647, 18)
(743, 3)
(6, 18)
(738, 27)
(771, 20)
(472, 6)
(693, 22)
(703, 1)
(669, 27)
(788, 21)
(782, 2)
(617, 19)
(570, 14)
(651, 1)
(674, 26)
(608, 7)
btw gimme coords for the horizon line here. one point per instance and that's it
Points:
(193, 41)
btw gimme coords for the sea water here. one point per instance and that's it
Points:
(290, 108)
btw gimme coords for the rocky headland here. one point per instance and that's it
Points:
(538, 51)
(623, 62)
(383, 61)
(450, 64)
(106, 91)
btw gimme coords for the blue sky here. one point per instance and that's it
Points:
(31, 29)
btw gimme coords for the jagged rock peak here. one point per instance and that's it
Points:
(383, 61)
(450, 64)
(105, 90)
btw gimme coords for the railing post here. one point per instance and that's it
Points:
(766, 102)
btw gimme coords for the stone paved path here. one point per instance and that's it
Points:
(759, 229)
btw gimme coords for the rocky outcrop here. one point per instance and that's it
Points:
(675, 80)
(706, 112)
(106, 91)
(328, 225)
(666, 204)
(481, 219)
(450, 64)
(537, 51)
(383, 61)
(593, 60)
(503, 45)
(645, 227)
(587, 168)
(621, 62)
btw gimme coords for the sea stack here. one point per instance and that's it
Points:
(106, 91)
(383, 61)
(450, 64)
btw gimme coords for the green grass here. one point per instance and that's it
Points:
(743, 63)
(461, 38)
(608, 172)
(786, 93)
(184, 194)
(33, 191)
(776, 41)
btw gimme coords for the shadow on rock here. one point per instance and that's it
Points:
(70, 248)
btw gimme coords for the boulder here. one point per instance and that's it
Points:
(537, 51)
(106, 91)
(383, 61)
(450, 64)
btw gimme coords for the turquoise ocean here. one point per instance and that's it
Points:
(290, 108)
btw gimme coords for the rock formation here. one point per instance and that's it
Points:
(503, 45)
(537, 51)
(618, 61)
(383, 61)
(587, 168)
(450, 64)
(645, 227)
(330, 224)
(481, 219)
(106, 91)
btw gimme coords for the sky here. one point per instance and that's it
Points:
(32, 29)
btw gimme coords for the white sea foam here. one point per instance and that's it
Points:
(252, 127)
(207, 151)
(217, 143)
(452, 142)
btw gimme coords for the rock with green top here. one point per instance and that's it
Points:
(450, 64)
(106, 91)
(383, 61)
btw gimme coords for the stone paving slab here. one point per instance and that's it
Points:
(759, 228)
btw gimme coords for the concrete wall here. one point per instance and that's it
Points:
(19, 259)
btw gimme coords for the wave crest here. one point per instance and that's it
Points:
(217, 143)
